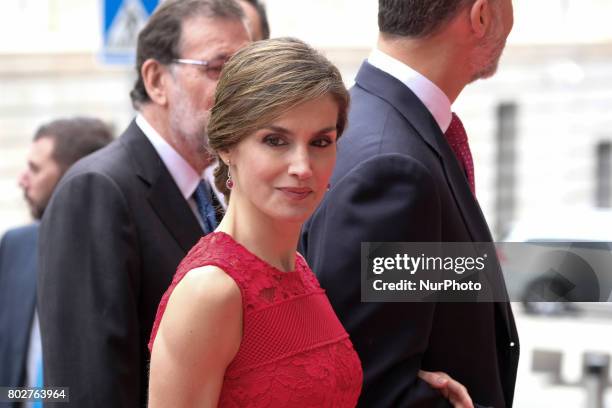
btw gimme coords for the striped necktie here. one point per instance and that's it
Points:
(203, 199)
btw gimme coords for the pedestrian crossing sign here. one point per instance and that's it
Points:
(123, 20)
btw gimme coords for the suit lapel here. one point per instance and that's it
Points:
(470, 210)
(174, 212)
(164, 195)
(418, 116)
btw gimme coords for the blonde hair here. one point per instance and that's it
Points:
(260, 83)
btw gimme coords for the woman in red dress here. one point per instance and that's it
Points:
(245, 323)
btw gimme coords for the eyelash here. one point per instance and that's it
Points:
(273, 141)
(326, 141)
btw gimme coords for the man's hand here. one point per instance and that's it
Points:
(452, 390)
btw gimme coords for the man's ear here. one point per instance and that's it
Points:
(155, 77)
(480, 17)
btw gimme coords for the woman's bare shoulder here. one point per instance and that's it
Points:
(206, 303)
(199, 335)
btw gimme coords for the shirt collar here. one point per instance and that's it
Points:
(183, 174)
(432, 97)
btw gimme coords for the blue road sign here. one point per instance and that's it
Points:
(122, 21)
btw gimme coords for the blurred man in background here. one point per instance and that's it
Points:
(121, 220)
(404, 173)
(257, 19)
(56, 146)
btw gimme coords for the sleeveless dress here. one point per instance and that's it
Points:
(294, 350)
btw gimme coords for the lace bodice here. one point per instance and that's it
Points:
(294, 351)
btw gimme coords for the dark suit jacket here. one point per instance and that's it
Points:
(396, 179)
(111, 239)
(17, 299)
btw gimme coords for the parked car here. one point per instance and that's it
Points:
(560, 261)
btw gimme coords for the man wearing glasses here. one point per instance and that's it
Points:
(122, 219)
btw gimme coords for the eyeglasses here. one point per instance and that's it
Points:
(212, 68)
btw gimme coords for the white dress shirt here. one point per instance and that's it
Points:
(432, 97)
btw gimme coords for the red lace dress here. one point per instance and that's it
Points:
(294, 351)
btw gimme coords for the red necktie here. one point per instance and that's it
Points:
(458, 141)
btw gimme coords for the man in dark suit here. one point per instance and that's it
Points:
(17, 302)
(56, 146)
(401, 177)
(122, 219)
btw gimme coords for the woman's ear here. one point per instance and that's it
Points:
(155, 78)
(225, 156)
(480, 17)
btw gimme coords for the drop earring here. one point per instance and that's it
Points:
(229, 183)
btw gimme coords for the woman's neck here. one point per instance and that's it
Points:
(271, 240)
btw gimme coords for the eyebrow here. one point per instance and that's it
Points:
(281, 129)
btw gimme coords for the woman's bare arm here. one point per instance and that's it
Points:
(198, 337)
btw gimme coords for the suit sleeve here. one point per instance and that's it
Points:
(87, 294)
(385, 199)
